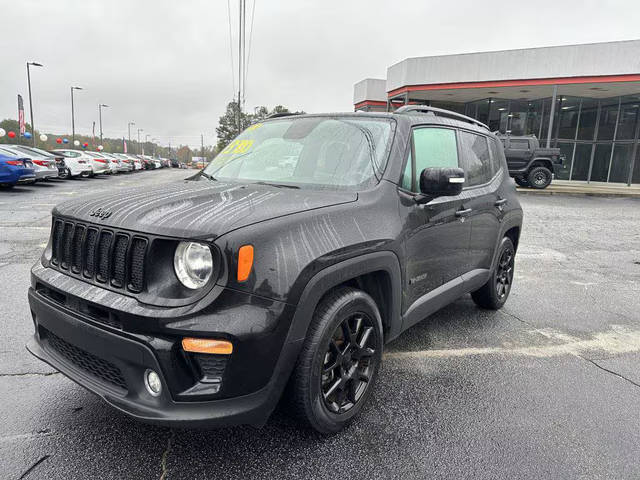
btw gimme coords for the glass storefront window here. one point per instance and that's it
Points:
(499, 113)
(608, 119)
(588, 118)
(621, 163)
(601, 159)
(569, 108)
(581, 161)
(567, 150)
(636, 168)
(629, 113)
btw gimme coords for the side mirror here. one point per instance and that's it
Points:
(441, 182)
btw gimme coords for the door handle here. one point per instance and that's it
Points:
(500, 202)
(463, 213)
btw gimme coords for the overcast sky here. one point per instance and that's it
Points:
(166, 64)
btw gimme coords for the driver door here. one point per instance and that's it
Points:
(436, 235)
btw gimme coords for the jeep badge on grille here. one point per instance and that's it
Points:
(100, 213)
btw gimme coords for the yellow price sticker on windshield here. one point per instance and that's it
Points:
(237, 146)
(254, 126)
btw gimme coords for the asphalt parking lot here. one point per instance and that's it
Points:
(548, 387)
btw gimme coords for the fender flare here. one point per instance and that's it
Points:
(334, 275)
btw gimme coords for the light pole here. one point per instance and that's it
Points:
(146, 138)
(139, 130)
(129, 128)
(33, 128)
(100, 115)
(73, 119)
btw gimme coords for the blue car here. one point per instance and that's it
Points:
(15, 169)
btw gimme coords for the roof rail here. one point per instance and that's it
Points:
(439, 112)
(282, 114)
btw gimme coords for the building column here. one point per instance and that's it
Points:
(551, 114)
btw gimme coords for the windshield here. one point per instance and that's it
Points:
(338, 152)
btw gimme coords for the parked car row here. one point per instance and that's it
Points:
(20, 164)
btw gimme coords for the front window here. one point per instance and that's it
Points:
(321, 152)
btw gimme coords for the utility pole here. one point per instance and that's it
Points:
(73, 118)
(100, 115)
(129, 128)
(202, 146)
(33, 128)
(139, 130)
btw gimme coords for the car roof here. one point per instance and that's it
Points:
(408, 118)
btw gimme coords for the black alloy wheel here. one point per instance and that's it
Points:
(339, 361)
(348, 363)
(494, 293)
(504, 273)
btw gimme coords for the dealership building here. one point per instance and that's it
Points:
(584, 99)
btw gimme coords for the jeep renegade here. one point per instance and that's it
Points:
(280, 270)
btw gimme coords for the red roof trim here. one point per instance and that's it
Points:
(370, 103)
(518, 83)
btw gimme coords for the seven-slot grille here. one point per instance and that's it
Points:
(99, 254)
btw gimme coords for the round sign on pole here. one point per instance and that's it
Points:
(43, 137)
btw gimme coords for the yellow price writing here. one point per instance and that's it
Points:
(254, 126)
(237, 146)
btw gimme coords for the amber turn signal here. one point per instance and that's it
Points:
(207, 345)
(245, 262)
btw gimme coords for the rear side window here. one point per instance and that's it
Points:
(476, 160)
(497, 154)
(519, 144)
(433, 147)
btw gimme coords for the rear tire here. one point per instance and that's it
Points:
(339, 361)
(493, 294)
(539, 177)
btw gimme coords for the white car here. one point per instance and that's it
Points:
(102, 163)
(74, 165)
(121, 165)
(44, 165)
(125, 165)
(96, 165)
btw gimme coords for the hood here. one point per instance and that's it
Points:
(196, 209)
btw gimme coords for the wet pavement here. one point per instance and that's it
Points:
(547, 387)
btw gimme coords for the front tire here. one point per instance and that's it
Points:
(521, 181)
(339, 361)
(539, 177)
(493, 294)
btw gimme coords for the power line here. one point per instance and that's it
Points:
(246, 72)
(233, 75)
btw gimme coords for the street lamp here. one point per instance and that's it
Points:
(129, 128)
(100, 115)
(139, 130)
(73, 120)
(33, 128)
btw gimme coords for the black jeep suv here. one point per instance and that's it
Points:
(284, 266)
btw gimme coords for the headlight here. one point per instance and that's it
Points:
(193, 264)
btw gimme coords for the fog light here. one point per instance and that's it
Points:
(152, 382)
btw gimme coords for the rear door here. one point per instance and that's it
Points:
(483, 170)
(518, 153)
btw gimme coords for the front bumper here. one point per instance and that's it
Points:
(251, 386)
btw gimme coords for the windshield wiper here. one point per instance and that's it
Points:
(207, 176)
(278, 185)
